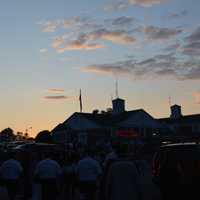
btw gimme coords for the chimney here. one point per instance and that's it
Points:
(175, 112)
(118, 106)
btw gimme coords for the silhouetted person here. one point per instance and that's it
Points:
(11, 172)
(149, 190)
(88, 172)
(47, 173)
(26, 162)
(110, 157)
(170, 178)
(123, 182)
(69, 172)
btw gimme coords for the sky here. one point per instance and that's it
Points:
(51, 49)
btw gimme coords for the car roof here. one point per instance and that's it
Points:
(33, 145)
(179, 145)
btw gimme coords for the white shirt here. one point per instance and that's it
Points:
(11, 169)
(88, 169)
(47, 169)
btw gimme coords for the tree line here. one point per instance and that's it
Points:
(8, 135)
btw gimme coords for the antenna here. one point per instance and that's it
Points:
(116, 88)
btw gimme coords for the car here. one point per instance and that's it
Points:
(183, 157)
(33, 146)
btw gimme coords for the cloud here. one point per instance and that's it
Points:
(110, 69)
(57, 42)
(77, 45)
(177, 15)
(172, 47)
(195, 36)
(196, 96)
(120, 5)
(44, 50)
(56, 90)
(145, 3)
(122, 21)
(192, 44)
(157, 33)
(74, 21)
(157, 67)
(58, 97)
(51, 26)
(88, 41)
(191, 49)
(115, 36)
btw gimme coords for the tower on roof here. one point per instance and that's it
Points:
(118, 106)
(175, 112)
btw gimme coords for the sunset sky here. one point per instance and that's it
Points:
(52, 48)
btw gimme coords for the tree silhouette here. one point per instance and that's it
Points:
(26, 135)
(109, 110)
(44, 137)
(19, 135)
(7, 135)
(96, 111)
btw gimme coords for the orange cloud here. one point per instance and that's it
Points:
(118, 37)
(56, 90)
(88, 41)
(76, 45)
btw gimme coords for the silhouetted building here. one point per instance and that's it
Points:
(92, 127)
(118, 106)
(175, 112)
(187, 125)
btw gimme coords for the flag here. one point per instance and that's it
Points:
(80, 100)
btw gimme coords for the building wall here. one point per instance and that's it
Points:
(141, 119)
(60, 136)
(187, 128)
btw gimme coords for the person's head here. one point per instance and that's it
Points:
(88, 152)
(46, 155)
(12, 155)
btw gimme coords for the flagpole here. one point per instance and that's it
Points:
(80, 101)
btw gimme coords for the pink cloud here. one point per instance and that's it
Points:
(56, 90)
(76, 45)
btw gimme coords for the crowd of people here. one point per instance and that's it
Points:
(79, 174)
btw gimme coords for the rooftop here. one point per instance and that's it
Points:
(107, 119)
(182, 119)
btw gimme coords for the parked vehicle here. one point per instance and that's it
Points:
(186, 156)
(176, 170)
